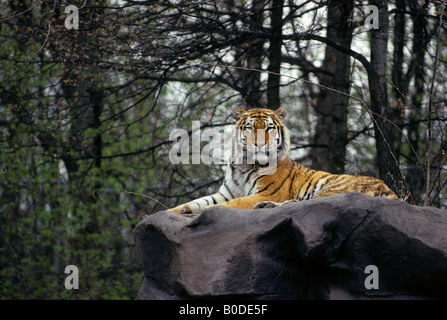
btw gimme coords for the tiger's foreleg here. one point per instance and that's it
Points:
(248, 202)
(197, 205)
(272, 204)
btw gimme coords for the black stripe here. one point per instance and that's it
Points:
(338, 183)
(330, 179)
(207, 202)
(214, 200)
(322, 177)
(254, 183)
(334, 176)
(265, 187)
(244, 172)
(249, 191)
(229, 191)
(291, 181)
(226, 199)
(233, 169)
(249, 175)
(322, 187)
(314, 185)
(308, 186)
(282, 183)
(281, 134)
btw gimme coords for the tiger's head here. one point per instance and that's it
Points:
(261, 134)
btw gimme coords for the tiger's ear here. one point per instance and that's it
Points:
(281, 112)
(238, 112)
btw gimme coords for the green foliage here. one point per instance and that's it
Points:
(44, 227)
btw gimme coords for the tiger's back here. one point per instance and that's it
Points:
(248, 184)
(292, 181)
(314, 184)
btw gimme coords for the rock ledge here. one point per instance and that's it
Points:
(314, 249)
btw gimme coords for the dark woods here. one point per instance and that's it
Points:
(86, 115)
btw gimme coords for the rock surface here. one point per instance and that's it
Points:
(314, 249)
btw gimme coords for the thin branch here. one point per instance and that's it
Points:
(307, 36)
(285, 76)
(29, 58)
(388, 146)
(143, 195)
(430, 109)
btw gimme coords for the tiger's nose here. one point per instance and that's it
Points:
(260, 140)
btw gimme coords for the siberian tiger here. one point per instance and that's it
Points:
(254, 183)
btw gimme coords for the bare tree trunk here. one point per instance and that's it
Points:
(415, 153)
(377, 79)
(397, 76)
(274, 55)
(331, 109)
(251, 78)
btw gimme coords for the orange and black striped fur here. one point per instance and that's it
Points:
(251, 183)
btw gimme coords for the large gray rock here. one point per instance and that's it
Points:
(314, 249)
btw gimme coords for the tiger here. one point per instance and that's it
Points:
(255, 184)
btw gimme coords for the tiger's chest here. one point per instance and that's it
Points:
(243, 180)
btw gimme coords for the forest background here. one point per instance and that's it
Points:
(86, 114)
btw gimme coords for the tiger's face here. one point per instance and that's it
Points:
(261, 133)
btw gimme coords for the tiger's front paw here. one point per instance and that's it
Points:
(267, 205)
(271, 204)
(182, 209)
